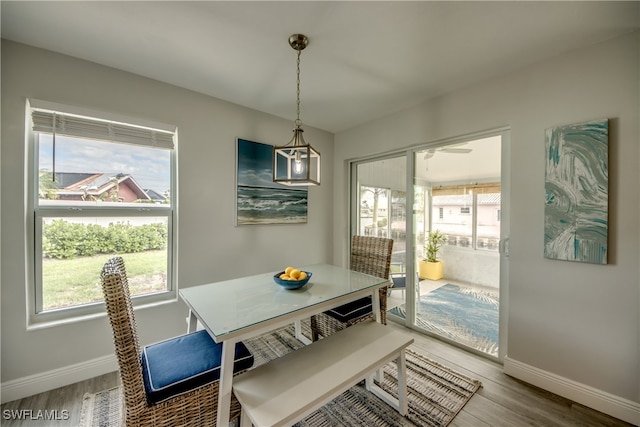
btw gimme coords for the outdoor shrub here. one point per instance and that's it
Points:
(65, 240)
(60, 239)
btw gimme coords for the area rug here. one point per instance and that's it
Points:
(102, 409)
(435, 393)
(466, 315)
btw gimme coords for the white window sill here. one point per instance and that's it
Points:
(94, 311)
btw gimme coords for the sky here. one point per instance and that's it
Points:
(149, 167)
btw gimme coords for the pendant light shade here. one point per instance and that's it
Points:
(297, 163)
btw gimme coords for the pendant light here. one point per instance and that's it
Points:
(297, 163)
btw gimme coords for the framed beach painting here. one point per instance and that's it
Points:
(577, 192)
(258, 199)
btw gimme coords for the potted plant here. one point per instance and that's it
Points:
(430, 266)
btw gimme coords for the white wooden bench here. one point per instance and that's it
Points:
(285, 390)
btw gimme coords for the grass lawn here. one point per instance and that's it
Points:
(77, 281)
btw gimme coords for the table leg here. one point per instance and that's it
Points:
(226, 379)
(192, 322)
(375, 306)
(298, 328)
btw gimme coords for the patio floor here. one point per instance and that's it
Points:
(479, 330)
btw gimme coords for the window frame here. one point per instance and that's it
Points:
(36, 213)
(490, 187)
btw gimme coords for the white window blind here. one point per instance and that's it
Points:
(461, 190)
(61, 123)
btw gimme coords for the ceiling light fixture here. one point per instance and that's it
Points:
(297, 163)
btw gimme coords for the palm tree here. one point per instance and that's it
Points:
(376, 192)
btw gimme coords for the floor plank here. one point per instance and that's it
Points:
(63, 404)
(502, 400)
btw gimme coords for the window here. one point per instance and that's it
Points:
(374, 212)
(101, 188)
(488, 222)
(476, 225)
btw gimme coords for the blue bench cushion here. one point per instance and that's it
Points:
(184, 363)
(351, 310)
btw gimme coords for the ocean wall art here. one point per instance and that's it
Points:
(258, 199)
(576, 192)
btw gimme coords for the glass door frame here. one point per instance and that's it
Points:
(412, 290)
(410, 267)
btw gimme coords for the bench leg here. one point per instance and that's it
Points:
(244, 419)
(368, 383)
(403, 405)
(400, 403)
(376, 376)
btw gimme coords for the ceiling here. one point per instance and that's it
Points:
(469, 162)
(365, 60)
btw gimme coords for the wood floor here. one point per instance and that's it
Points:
(502, 400)
(63, 403)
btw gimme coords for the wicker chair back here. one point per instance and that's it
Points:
(123, 322)
(197, 407)
(369, 255)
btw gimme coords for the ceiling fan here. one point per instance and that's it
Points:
(450, 149)
(447, 149)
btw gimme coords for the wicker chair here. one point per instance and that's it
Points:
(171, 383)
(369, 255)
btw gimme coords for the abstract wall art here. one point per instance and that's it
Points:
(576, 192)
(259, 200)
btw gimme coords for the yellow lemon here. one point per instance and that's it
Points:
(283, 276)
(302, 275)
(294, 274)
(288, 270)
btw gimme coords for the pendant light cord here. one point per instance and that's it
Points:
(298, 121)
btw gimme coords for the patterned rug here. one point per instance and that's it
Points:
(435, 393)
(465, 315)
(102, 409)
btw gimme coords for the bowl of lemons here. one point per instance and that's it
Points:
(292, 278)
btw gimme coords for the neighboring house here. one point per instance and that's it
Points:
(155, 196)
(452, 214)
(99, 186)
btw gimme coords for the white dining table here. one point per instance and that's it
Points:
(239, 309)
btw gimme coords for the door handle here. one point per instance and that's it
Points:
(503, 247)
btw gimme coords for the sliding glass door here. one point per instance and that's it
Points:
(452, 194)
(380, 209)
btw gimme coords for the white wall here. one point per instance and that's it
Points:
(575, 327)
(210, 247)
(471, 266)
(575, 322)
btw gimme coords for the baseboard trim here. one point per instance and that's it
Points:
(45, 381)
(618, 407)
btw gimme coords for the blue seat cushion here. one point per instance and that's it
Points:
(351, 310)
(181, 364)
(399, 282)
